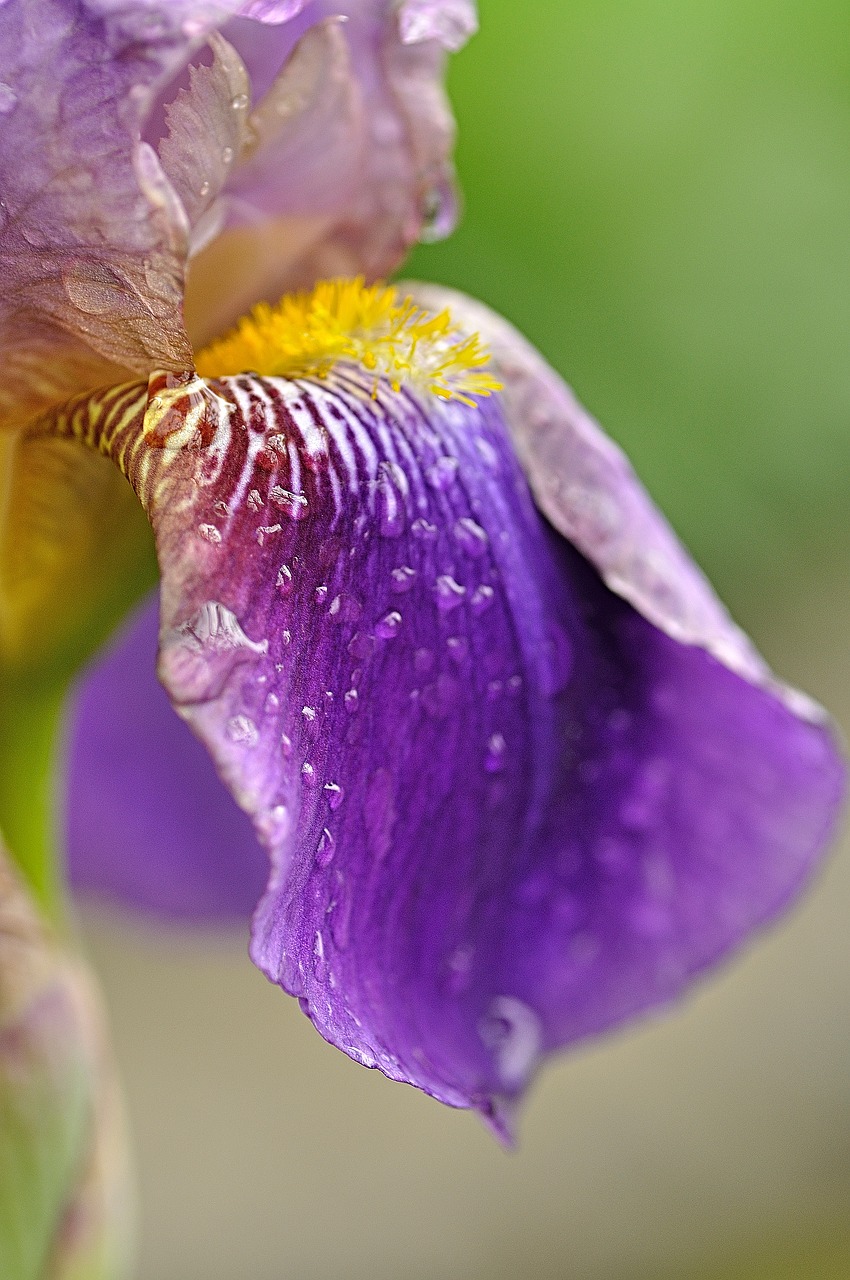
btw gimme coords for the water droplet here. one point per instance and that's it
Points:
(309, 713)
(449, 593)
(266, 531)
(227, 155)
(391, 492)
(495, 760)
(350, 701)
(339, 914)
(209, 533)
(515, 685)
(513, 1034)
(326, 848)
(388, 626)
(293, 505)
(458, 647)
(443, 473)
(423, 661)
(334, 793)
(439, 212)
(488, 452)
(275, 825)
(482, 598)
(286, 745)
(320, 967)
(199, 655)
(344, 609)
(308, 773)
(320, 595)
(204, 189)
(283, 584)
(242, 730)
(8, 99)
(423, 529)
(254, 501)
(402, 579)
(471, 537)
(221, 510)
(239, 102)
(272, 704)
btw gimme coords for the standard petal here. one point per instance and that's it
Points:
(503, 809)
(92, 240)
(350, 158)
(147, 821)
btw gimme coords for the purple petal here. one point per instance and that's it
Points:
(349, 159)
(503, 809)
(147, 821)
(92, 241)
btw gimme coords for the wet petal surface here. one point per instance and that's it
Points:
(348, 156)
(503, 810)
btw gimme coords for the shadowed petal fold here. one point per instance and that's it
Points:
(147, 821)
(503, 809)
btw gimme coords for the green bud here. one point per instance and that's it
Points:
(64, 1201)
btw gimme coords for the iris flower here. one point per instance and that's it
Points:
(505, 772)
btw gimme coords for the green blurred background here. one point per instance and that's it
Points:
(658, 194)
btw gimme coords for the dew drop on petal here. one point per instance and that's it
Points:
(388, 626)
(402, 579)
(439, 212)
(293, 505)
(495, 759)
(443, 473)
(482, 598)
(326, 848)
(513, 1034)
(284, 580)
(422, 528)
(242, 730)
(449, 593)
(471, 537)
(351, 700)
(209, 533)
(308, 773)
(458, 647)
(335, 794)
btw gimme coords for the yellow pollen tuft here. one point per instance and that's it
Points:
(346, 320)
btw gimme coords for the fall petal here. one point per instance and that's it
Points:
(503, 809)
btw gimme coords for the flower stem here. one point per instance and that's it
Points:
(30, 712)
